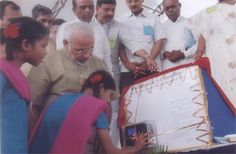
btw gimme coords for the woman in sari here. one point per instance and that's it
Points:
(66, 124)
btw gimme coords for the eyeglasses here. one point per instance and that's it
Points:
(84, 51)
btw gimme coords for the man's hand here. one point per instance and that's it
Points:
(199, 54)
(175, 55)
(152, 64)
(166, 54)
(132, 67)
(143, 66)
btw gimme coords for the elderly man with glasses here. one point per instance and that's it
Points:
(84, 11)
(64, 70)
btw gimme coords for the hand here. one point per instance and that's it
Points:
(199, 54)
(132, 67)
(151, 63)
(142, 67)
(141, 140)
(166, 54)
(176, 55)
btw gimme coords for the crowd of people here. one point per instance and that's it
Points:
(60, 82)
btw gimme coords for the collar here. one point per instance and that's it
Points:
(144, 13)
(77, 19)
(109, 23)
(177, 20)
(95, 20)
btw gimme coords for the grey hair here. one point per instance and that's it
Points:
(82, 29)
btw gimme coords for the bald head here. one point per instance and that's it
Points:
(172, 9)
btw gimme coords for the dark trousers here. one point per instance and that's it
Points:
(126, 79)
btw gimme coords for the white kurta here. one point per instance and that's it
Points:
(218, 26)
(112, 31)
(101, 44)
(179, 37)
(143, 31)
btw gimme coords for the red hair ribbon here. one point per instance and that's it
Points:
(12, 31)
(95, 78)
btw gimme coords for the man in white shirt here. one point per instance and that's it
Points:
(144, 39)
(180, 46)
(105, 11)
(84, 11)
